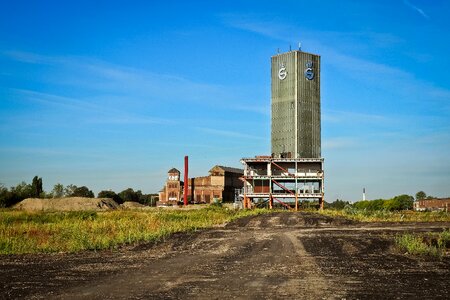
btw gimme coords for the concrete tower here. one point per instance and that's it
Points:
(294, 172)
(296, 105)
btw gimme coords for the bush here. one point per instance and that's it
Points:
(415, 245)
(338, 204)
(15, 194)
(217, 202)
(430, 244)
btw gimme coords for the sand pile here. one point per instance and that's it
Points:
(67, 204)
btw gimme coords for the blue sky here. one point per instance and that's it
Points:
(112, 94)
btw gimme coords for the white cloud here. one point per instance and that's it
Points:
(49, 152)
(128, 84)
(55, 100)
(418, 10)
(387, 77)
(28, 57)
(106, 115)
(228, 133)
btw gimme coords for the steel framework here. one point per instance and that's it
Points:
(287, 181)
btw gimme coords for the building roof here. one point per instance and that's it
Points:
(229, 169)
(173, 170)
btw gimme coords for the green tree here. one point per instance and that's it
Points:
(15, 194)
(130, 195)
(58, 191)
(82, 191)
(368, 204)
(420, 195)
(402, 202)
(110, 194)
(69, 190)
(338, 204)
(5, 196)
(23, 191)
(36, 186)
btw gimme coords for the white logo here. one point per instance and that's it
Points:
(309, 72)
(282, 73)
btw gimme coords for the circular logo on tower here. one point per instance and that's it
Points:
(309, 74)
(282, 73)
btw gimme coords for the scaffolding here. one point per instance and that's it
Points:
(287, 181)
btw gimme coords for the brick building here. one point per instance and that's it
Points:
(172, 188)
(432, 204)
(221, 183)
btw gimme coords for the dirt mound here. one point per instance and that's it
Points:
(67, 204)
(289, 219)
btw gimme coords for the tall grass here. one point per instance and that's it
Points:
(34, 232)
(430, 244)
(364, 215)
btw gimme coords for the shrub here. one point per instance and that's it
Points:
(430, 244)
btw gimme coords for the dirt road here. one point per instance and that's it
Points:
(282, 255)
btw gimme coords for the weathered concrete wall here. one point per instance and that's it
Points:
(296, 104)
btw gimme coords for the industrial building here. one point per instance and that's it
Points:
(435, 204)
(220, 184)
(294, 170)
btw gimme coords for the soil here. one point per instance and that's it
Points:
(67, 204)
(276, 256)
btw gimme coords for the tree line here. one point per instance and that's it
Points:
(400, 202)
(23, 190)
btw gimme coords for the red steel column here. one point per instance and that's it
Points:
(186, 183)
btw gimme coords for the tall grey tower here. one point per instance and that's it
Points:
(296, 105)
(294, 172)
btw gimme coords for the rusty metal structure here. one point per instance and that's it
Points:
(294, 171)
(186, 177)
(286, 181)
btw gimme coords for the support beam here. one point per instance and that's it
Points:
(284, 184)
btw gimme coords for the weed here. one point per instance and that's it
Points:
(33, 232)
(415, 245)
(429, 244)
(365, 215)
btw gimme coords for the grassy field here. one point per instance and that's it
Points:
(34, 232)
(388, 216)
